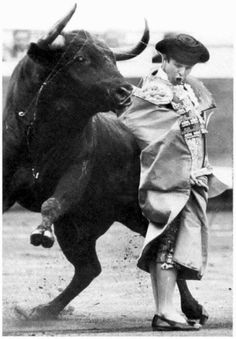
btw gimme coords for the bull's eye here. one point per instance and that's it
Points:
(80, 58)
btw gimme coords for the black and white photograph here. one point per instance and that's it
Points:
(117, 168)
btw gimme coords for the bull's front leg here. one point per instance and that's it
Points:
(67, 194)
(78, 245)
(190, 306)
(43, 235)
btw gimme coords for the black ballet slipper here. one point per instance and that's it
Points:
(160, 323)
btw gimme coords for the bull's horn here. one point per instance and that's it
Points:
(125, 55)
(56, 29)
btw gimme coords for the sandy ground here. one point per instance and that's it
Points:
(119, 302)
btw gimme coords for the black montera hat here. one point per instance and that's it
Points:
(184, 49)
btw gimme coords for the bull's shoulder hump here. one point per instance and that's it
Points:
(109, 122)
(110, 129)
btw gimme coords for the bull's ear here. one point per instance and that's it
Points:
(46, 57)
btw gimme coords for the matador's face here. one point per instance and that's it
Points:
(176, 71)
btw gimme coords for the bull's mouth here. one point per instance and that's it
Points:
(126, 102)
(121, 106)
(179, 80)
(121, 97)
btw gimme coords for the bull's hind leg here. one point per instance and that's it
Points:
(79, 248)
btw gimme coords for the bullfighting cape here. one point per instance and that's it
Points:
(166, 160)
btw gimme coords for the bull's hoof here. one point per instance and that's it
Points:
(47, 239)
(36, 237)
(204, 316)
(41, 312)
(198, 314)
(43, 237)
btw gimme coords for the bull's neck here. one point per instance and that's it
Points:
(54, 138)
(61, 110)
(53, 109)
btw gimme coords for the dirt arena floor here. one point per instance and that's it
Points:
(119, 302)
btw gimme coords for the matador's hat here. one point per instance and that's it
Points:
(184, 49)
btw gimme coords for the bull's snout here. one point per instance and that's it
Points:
(122, 95)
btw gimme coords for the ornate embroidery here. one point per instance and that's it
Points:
(157, 91)
(191, 127)
(192, 124)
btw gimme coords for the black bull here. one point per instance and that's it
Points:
(80, 168)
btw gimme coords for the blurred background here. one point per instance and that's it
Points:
(120, 24)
